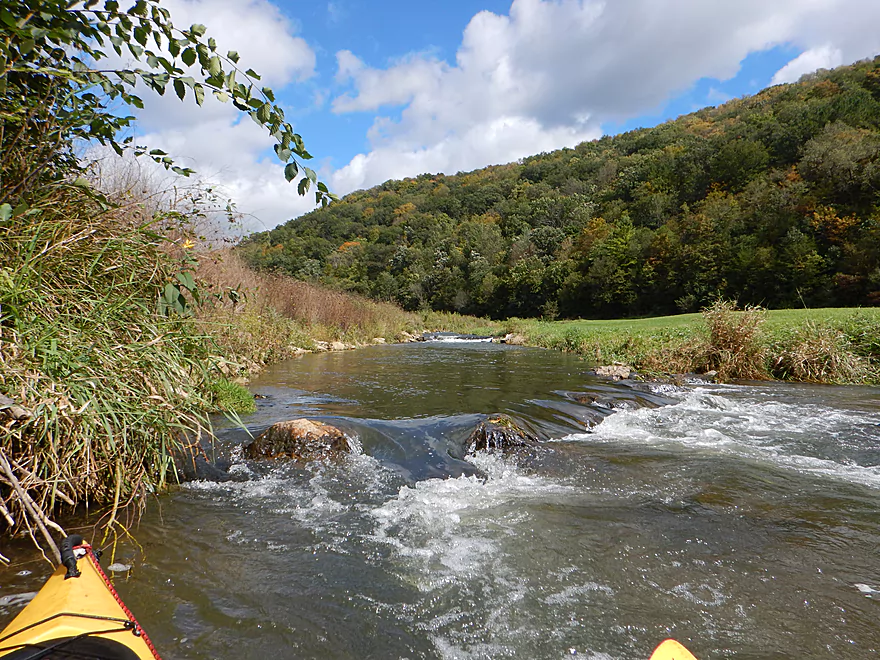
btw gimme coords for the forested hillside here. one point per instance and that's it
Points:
(770, 199)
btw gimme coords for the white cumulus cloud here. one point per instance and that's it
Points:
(545, 75)
(224, 146)
(550, 72)
(824, 57)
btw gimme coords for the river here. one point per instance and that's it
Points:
(743, 520)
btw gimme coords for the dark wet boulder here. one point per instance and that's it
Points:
(301, 440)
(191, 464)
(500, 433)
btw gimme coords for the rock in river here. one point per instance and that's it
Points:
(300, 440)
(191, 464)
(614, 371)
(499, 433)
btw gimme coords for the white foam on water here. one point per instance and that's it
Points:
(578, 593)
(17, 600)
(732, 420)
(314, 497)
(460, 542)
(866, 589)
(701, 594)
(460, 340)
(453, 524)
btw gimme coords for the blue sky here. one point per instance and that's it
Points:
(384, 89)
(383, 32)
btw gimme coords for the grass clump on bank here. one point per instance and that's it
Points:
(111, 386)
(823, 346)
(232, 397)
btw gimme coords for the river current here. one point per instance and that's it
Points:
(743, 520)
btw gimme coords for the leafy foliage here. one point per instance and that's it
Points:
(54, 91)
(771, 200)
(98, 347)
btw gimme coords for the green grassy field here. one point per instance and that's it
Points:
(777, 319)
(817, 345)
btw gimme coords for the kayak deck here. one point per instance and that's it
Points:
(671, 650)
(80, 617)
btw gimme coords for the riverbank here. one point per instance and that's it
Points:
(256, 318)
(116, 345)
(834, 345)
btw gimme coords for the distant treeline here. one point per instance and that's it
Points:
(770, 199)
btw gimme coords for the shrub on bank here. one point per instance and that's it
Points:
(819, 354)
(735, 346)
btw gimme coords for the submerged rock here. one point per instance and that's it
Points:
(300, 440)
(191, 464)
(499, 433)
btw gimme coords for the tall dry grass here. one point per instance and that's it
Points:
(819, 354)
(111, 387)
(317, 313)
(736, 347)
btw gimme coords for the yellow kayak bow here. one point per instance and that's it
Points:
(671, 650)
(77, 614)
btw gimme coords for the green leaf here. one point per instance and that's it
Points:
(215, 67)
(250, 73)
(303, 186)
(264, 112)
(212, 44)
(179, 88)
(269, 94)
(8, 18)
(188, 56)
(311, 174)
(222, 96)
(233, 55)
(198, 29)
(186, 279)
(5, 212)
(290, 171)
(199, 91)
